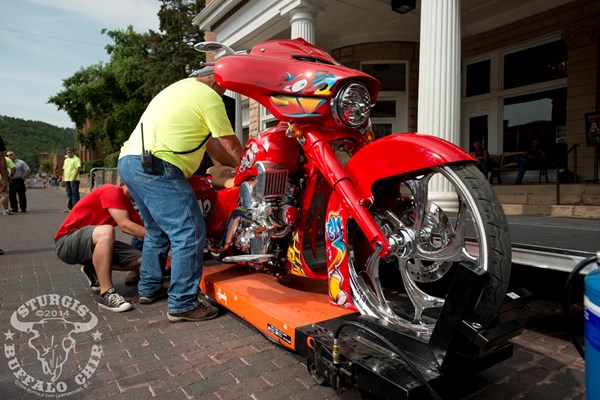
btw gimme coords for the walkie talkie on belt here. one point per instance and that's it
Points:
(146, 155)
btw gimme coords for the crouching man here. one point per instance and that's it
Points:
(87, 237)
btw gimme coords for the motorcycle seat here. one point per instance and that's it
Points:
(222, 176)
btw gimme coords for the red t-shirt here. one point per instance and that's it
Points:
(92, 209)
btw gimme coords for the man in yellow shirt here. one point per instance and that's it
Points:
(71, 167)
(5, 175)
(174, 128)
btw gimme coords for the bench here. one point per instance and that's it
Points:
(504, 163)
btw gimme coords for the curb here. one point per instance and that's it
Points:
(575, 211)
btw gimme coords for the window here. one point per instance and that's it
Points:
(384, 109)
(392, 75)
(537, 64)
(517, 94)
(267, 120)
(245, 121)
(478, 130)
(478, 78)
(533, 116)
(389, 115)
(382, 116)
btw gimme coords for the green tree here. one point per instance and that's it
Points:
(128, 72)
(31, 138)
(174, 56)
(105, 101)
(47, 166)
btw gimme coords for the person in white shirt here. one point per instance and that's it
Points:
(17, 187)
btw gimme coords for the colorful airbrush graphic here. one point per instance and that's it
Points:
(293, 256)
(248, 157)
(318, 83)
(335, 235)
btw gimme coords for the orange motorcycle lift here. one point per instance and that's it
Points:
(379, 359)
(275, 306)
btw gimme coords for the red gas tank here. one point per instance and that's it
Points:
(216, 205)
(205, 194)
(270, 145)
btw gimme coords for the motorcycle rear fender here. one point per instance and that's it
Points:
(398, 154)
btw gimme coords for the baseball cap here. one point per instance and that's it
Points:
(203, 72)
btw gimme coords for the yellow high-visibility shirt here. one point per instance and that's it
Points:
(9, 165)
(70, 167)
(179, 118)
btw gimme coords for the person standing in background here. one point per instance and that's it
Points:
(7, 172)
(17, 187)
(3, 177)
(71, 167)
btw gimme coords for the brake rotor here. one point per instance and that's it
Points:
(436, 231)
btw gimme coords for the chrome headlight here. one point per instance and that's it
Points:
(352, 105)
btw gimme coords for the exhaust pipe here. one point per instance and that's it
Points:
(234, 220)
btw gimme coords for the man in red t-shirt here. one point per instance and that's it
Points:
(87, 236)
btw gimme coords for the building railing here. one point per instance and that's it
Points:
(101, 176)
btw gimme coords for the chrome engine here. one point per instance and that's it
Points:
(267, 212)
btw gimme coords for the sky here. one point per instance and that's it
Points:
(43, 42)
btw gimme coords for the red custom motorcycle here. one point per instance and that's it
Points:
(316, 196)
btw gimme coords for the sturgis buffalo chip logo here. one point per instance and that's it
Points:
(40, 342)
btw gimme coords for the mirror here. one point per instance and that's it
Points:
(213, 46)
(208, 46)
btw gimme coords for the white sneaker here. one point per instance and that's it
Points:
(113, 301)
(7, 212)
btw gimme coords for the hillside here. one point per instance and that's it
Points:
(30, 138)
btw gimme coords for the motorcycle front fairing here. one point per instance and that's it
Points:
(293, 79)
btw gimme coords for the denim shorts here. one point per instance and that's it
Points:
(76, 248)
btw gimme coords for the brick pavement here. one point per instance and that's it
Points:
(143, 356)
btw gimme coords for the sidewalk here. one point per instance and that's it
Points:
(140, 355)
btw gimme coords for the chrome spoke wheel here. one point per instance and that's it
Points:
(409, 287)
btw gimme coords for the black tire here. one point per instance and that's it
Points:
(479, 223)
(498, 234)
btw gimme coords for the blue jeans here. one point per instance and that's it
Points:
(522, 162)
(72, 189)
(172, 218)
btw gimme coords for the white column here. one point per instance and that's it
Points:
(302, 15)
(303, 24)
(439, 81)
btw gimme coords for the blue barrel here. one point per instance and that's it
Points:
(592, 335)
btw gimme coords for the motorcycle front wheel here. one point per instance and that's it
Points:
(436, 233)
